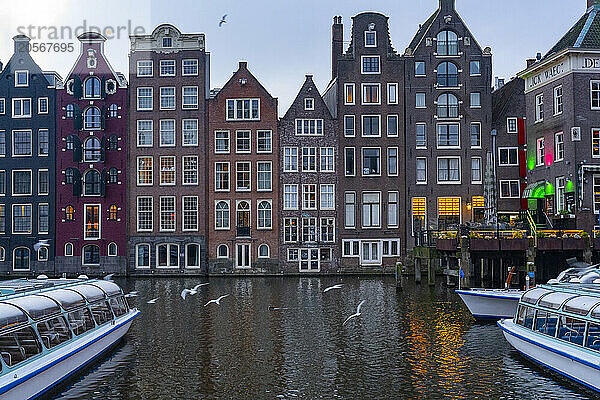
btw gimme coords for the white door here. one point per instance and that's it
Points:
(243, 255)
(370, 253)
(309, 260)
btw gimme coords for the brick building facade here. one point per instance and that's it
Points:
(243, 183)
(169, 85)
(308, 179)
(91, 144)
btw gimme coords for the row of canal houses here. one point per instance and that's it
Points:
(159, 173)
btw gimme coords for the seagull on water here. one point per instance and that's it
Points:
(40, 244)
(338, 286)
(223, 21)
(357, 314)
(217, 301)
(192, 291)
(153, 301)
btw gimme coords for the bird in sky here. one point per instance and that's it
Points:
(131, 294)
(338, 286)
(153, 301)
(217, 301)
(357, 314)
(192, 291)
(223, 21)
(40, 244)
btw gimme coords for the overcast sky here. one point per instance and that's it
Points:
(283, 40)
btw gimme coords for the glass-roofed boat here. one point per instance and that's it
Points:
(558, 327)
(52, 328)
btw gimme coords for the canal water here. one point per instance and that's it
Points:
(282, 338)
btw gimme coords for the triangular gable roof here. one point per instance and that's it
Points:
(585, 34)
(243, 68)
(503, 97)
(9, 65)
(298, 101)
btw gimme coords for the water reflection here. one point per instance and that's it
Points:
(283, 338)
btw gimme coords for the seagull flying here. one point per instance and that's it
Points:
(153, 301)
(217, 301)
(357, 314)
(338, 286)
(40, 244)
(223, 21)
(132, 294)
(192, 291)
(109, 277)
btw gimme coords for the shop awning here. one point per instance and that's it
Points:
(536, 190)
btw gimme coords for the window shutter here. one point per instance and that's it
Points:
(76, 182)
(77, 151)
(103, 183)
(103, 87)
(102, 149)
(77, 87)
(103, 118)
(77, 118)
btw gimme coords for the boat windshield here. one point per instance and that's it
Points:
(10, 316)
(555, 300)
(111, 289)
(581, 305)
(532, 296)
(91, 293)
(37, 307)
(68, 299)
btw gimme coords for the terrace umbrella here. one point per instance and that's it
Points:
(489, 191)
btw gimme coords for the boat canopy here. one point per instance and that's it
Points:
(11, 315)
(555, 300)
(532, 296)
(68, 299)
(581, 305)
(111, 288)
(90, 292)
(37, 307)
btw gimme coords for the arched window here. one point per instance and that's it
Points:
(91, 255)
(92, 87)
(112, 249)
(68, 249)
(2, 254)
(264, 215)
(21, 259)
(447, 75)
(113, 142)
(223, 251)
(91, 150)
(113, 111)
(243, 214)
(167, 255)
(92, 119)
(43, 254)
(447, 43)
(192, 255)
(142, 256)
(263, 251)
(70, 109)
(69, 176)
(112, 213)
(69, 213)
(70, 142)
(222, 215)
(447, 106)
(92, 183)
(113, 175)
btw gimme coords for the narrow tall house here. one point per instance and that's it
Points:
(365, 95)
(168, 83)
(562, 92)
(27, 163)
(308, 180)
(91, 143)
(448, 123)
(243, 156)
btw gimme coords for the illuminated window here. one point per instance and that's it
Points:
(69, 213)
(419, 213)
(349, 93)
(112, 213)
(448, 211)
(595, 143)
(92, 222)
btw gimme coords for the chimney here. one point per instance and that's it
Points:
(21, 44)
(530, 62)
(243, 65)
(337, 44)
(448, 5)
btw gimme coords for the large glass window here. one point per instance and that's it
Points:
(190, 132)
(144, 99)
(92, 87)
(43, 142)
(449, 169)
(167, 170)
(290, 159)
(371, 125)
(92, 118)
(21, 183)
(309, 159)
(264, 175)
(190, 170)
(144, 214)
(242, 183)
(264, 215)
(371, 161)
(92, 150)
(190, 213)
(222, 215)
(222, 142)
(190, 97)
(447, 75)
(144, 171)
(448, 135)
(167, 132)
(92, 183)
(371, 210)
(167, 255)
(221, 176)
(447, 43)
(167, 213)
(92, 222)
(349, 209)
(22, 143)
(243, 109)
(447, 106)
(21, 218)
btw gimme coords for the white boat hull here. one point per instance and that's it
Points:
(40, 376)
(574, 362)
(491, 304)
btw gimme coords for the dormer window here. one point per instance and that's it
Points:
(309, 104)
(92, 87)
(21, 78)
(167, 42)
(370, 39)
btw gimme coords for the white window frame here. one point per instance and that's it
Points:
(138, 171)
(151, 211)
(137, 98)
(540, 152)
(480, 181)
(228, 220)
(242, 189)
(183, 96)
(20, 71)
(354, 195)
(387, 124)
(160, 71)
(306, 103)
(558, 100)
(508, 122)
(12, 186)
(137, 265)
(270, 136)
(346, 86)
(184, 142)
(424, 125)
(291, 204)
(354, 161)
(228, 139)
(12, 137)
(362, 70)
(330, 159)
(539, 112)
(12, 220)
(138, 133)
(353, 126)
(416, 170)
(328, 206)
(228, 176)
(160, 212)
(362, 210)
(509, 182)
(397, 161)
(509, 149)
(459, 181)
(362, 156)
(183, 73)
(394, 87)
(363, 87)
(137, 71)
(264, 228)
(374, 33)
(21, 99)
(593, 83)
(559, 153)
(293, 166)
(85, 206)
(186, 213)
(40, 99)
(362, 122)
(174, 97)
(258, 173)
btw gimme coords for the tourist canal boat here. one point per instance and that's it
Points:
(558, 327)
(52, 328)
